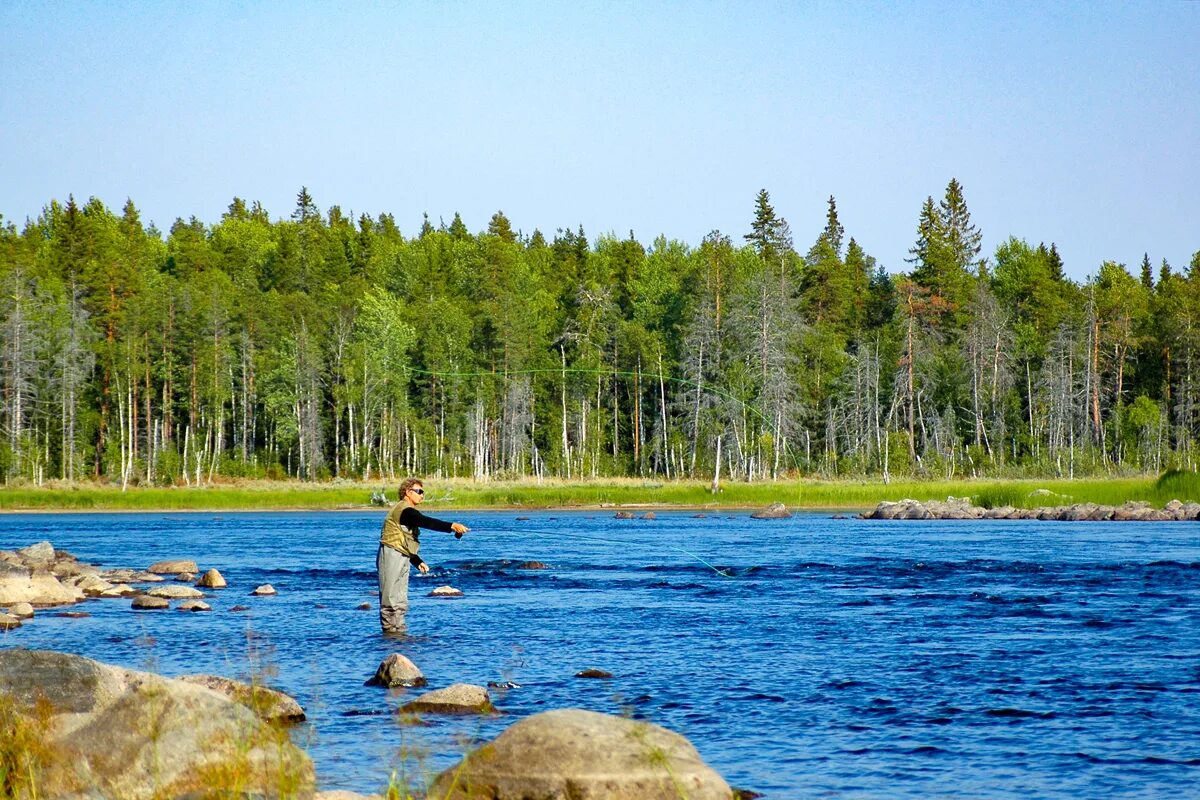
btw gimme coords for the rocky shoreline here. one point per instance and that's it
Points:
(77, 726)
(962, 508)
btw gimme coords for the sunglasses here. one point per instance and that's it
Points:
(417, 491)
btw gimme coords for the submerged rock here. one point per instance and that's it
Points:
(397, 670)
(8, 622)
(623, 515)
(146, 602)
(593, 673)
(572, 753)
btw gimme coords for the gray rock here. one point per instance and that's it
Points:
(185, 577)
(649, 515)
(269, 705)
(582, 755)
(397, 670)
(122, 590)
(173, 567)
(138, 736)
(212, 580)
(446, 591)
(623, 515)
(265, 590)
(458, 698)
(176, 592)
(773, 511)
(146, 602)
(9, 621)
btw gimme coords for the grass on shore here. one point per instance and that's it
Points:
(462, 494)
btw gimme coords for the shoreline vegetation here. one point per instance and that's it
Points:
(563, 495)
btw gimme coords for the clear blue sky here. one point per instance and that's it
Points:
(1072, 123)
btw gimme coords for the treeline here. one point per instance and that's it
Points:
(321, 346)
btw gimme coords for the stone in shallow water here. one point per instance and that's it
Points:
(397, 670)
(446, 591)
(194, 605)
(173, 567)
(458, 698)
(176, 592)
(212, 580)
(572, 753)
(593, 673)
(265, 590)
(145, 602)
(270, 705)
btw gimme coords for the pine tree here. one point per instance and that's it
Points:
(1147, 272)
(501, 227)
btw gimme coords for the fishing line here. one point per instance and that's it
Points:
(609, 540)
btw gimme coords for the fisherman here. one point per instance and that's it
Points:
(399, 545)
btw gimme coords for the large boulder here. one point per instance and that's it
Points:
(458, 698)
(37, 587)
(113, 732)
(270, 705)
(582, 755)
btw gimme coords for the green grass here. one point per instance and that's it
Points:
(461, 494)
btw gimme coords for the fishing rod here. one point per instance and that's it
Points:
(609, 540)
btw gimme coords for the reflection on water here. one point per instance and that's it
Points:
(844, 657)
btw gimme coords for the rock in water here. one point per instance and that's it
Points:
(593, 673)
(572, 753)
(9, 621)
(269, 705)
(212, 580)
(40, 555)
(194, 605)
(397, 670)
(623, 515)
(146, 602)
(459, 698)
(446, 591)
(176, 592)
(265, 590)
(173, 567)
(773, 511)
(37, 587)
(21, 611)
(138, 736)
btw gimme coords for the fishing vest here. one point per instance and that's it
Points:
(400, 537)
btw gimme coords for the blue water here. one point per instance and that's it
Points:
(845, 658)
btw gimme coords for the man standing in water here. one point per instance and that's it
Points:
(399, 545)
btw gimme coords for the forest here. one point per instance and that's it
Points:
(320, 347)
